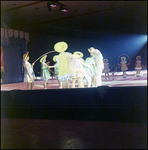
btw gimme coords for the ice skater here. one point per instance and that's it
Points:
(138, 66)
(45, 73)
(124, 65)
(78, 71)
(64, 74)
(98, 58)
(29, 75)
(89, 73)
(106, 68)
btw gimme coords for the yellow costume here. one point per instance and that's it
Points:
(123, 64)
(138, 63)
(64, 64)
(64, 70)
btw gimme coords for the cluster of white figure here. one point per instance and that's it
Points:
(72, 67)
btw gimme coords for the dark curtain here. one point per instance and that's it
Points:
(13, 54)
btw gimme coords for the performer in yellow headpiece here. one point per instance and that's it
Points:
(45, 73)
(138, 66)
(123, 65)
(106, 68)
(29, 75)
(63, 58)
(78, 71)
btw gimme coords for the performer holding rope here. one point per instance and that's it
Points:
(29, 75)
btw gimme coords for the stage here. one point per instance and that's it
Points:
(116, 80)
(115, 114)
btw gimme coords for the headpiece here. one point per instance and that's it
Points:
(25, 56)
(138, 57)
(105, 60)
(43, 58)
(60, 47)
(54, 58)
(123, 57)
(47, 62)
(75, 54)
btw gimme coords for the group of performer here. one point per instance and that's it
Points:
(70, 67)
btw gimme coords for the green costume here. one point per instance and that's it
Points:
(45, 73)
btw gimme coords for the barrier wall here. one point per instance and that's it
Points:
(121, 104)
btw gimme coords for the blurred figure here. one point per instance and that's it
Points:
(106, 68)
(29, 75)
(98, 58)
(45, 73)
(138, 66)
(56, 70)
(123, 65)
(89, 74)
(78, 71)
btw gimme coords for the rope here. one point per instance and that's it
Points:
(43, 55)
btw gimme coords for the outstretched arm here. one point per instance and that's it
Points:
(87, 66)
(51, 66)
(48, 66)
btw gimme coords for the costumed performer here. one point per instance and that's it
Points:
(89, 74)
(106, 68)
(56, 70)
(94, 82)
(123, 65)
(78, 71)
(138, 66)
(98, 58)
(64, 74)
(29, 75)
(45, 73)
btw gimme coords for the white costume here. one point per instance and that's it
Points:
(78, 70)
(30, 69)
(98, 58)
